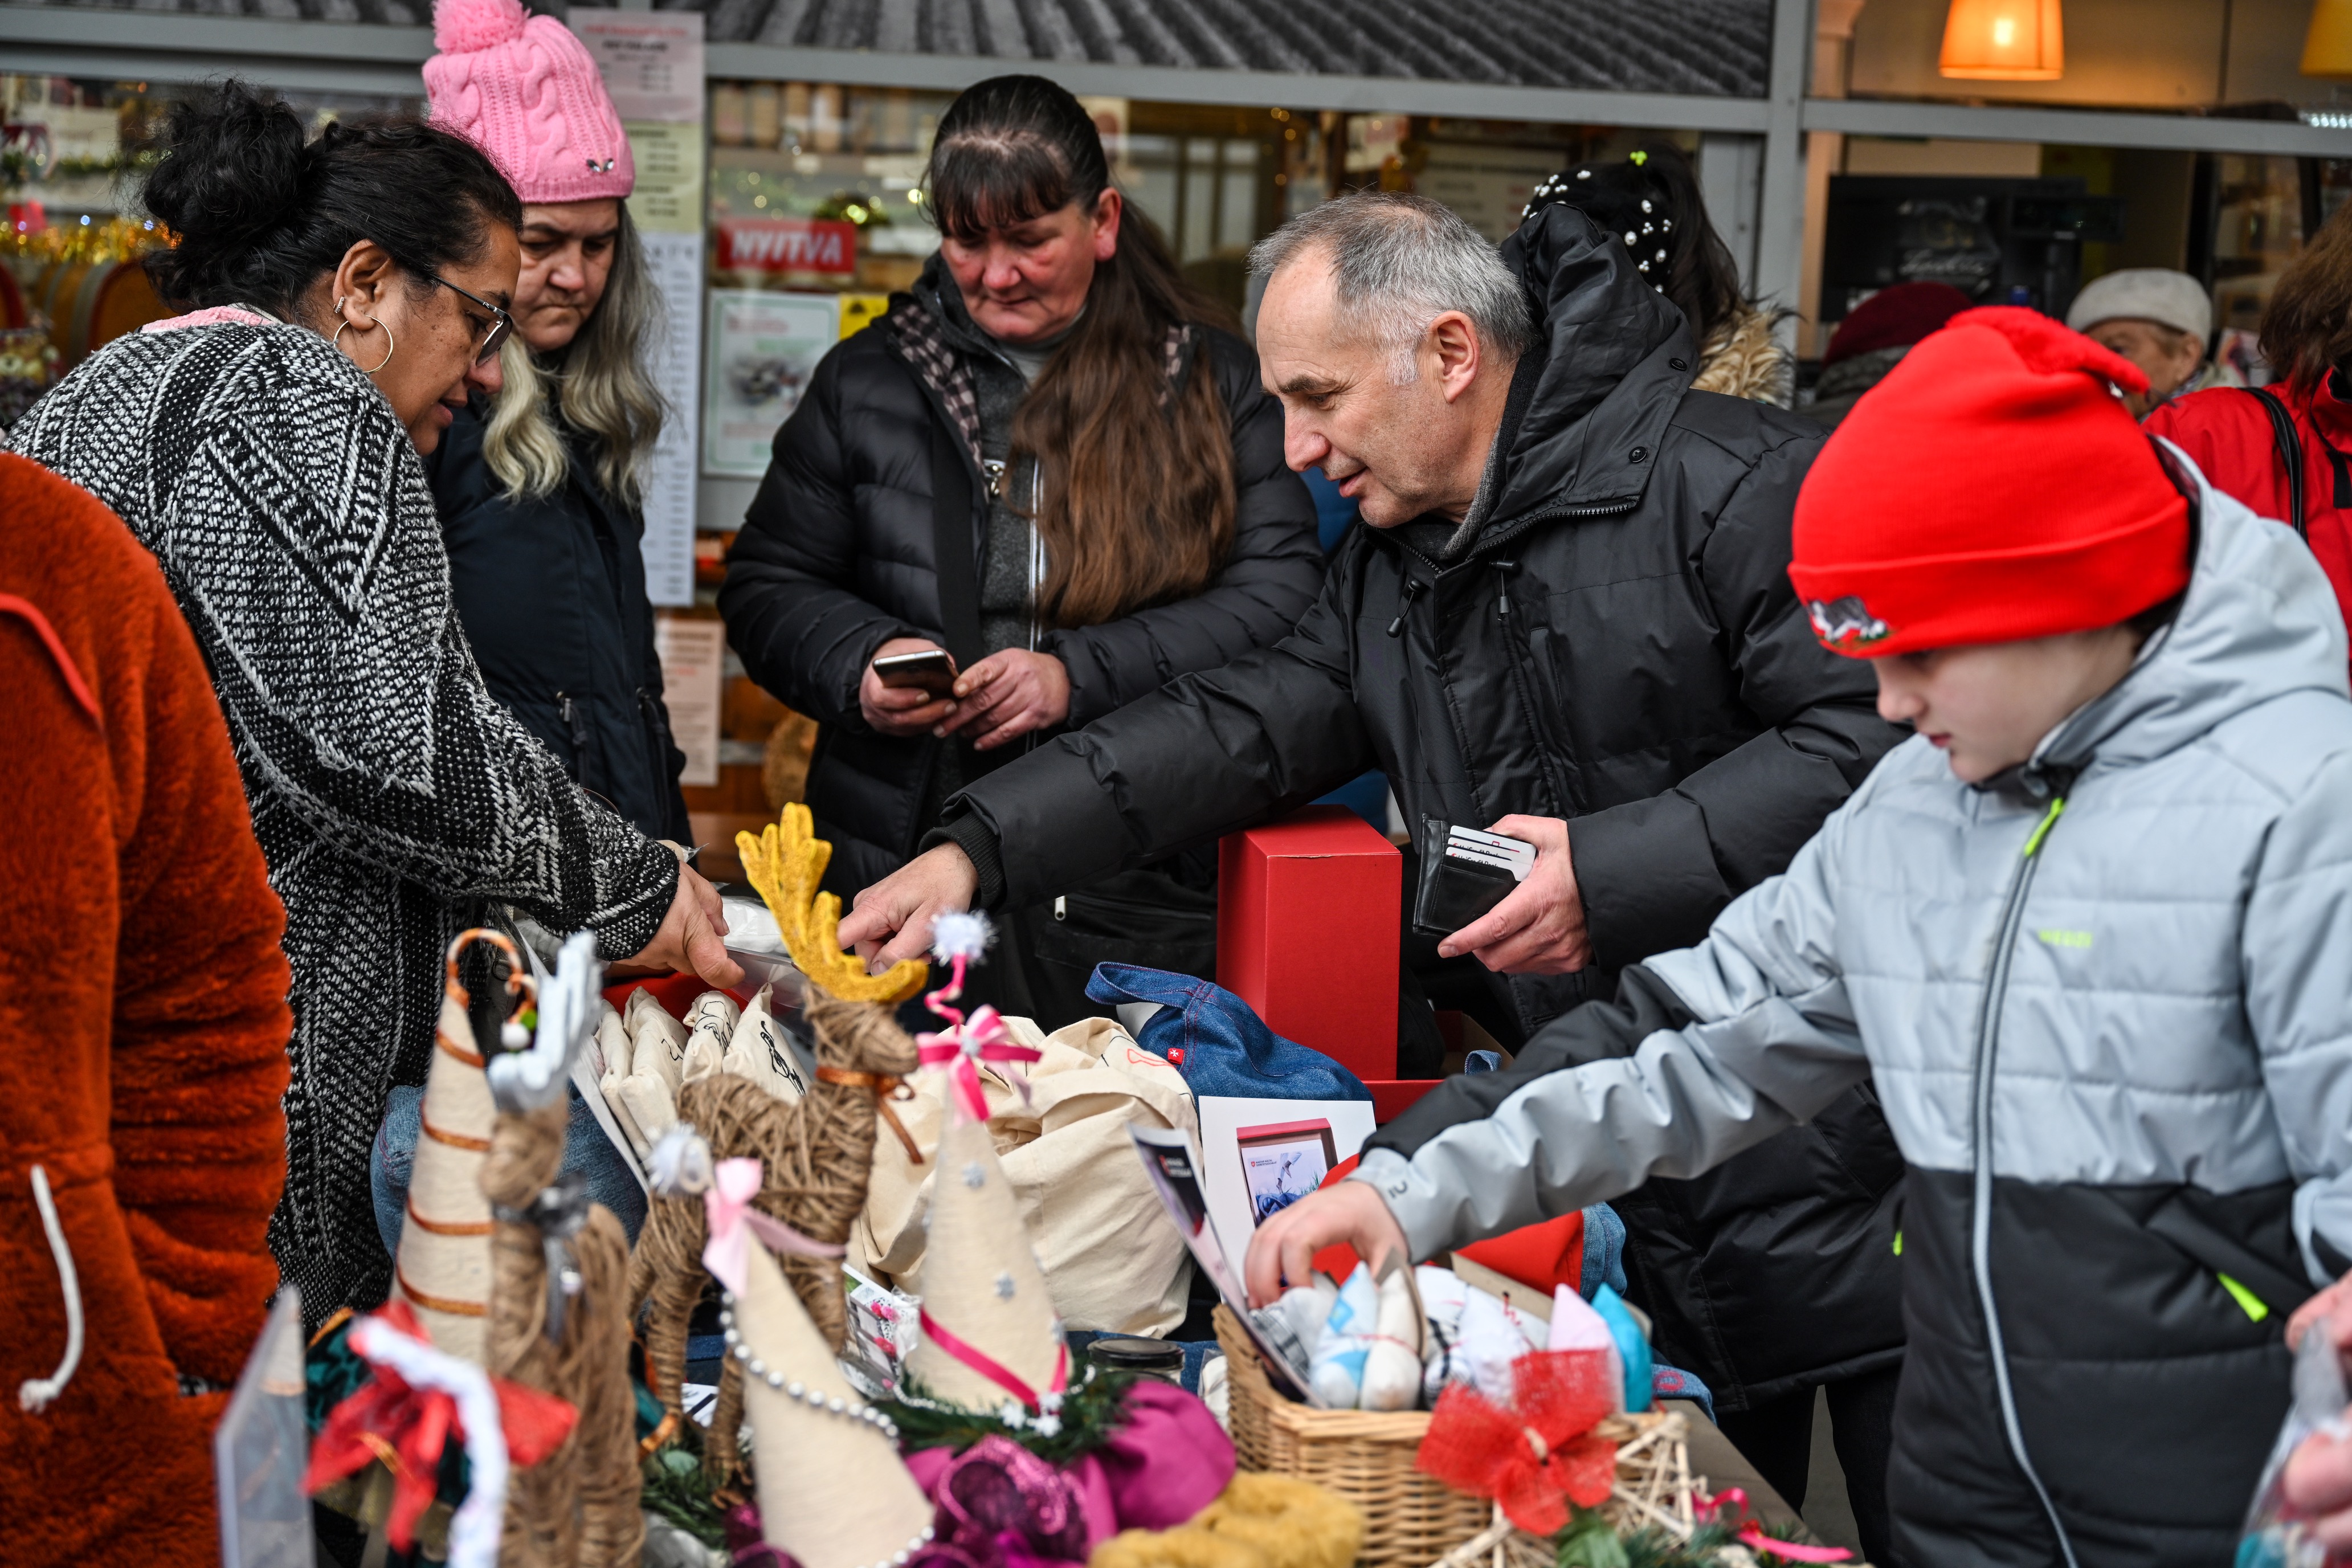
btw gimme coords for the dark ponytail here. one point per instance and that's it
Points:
(1654, 196)
(261, 212)
(1138, 498)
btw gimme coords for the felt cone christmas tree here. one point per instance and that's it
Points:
(989, 1332)
(833, 1490)
(443, 1266)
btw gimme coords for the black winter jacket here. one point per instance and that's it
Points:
(551, 592)
(837, 556)
(1621, 646)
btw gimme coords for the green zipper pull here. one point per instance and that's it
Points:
(2049, 820)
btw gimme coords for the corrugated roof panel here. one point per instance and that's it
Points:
(1710, 47)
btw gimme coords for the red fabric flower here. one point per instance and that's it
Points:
(407, 1427)
(1537, 1456)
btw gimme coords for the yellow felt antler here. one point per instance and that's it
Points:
(785, 862)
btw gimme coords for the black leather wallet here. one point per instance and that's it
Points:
(1453, 891)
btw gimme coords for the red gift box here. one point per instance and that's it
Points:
(1307, 911)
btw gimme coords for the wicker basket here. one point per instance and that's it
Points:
(1411, 1520)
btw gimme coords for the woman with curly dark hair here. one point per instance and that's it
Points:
(344, 293)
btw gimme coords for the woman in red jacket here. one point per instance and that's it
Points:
(2286, 450)
(142, 998)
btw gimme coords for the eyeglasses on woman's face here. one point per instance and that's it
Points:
(500, 322)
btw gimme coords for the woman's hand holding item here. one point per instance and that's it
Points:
(901, 710)
(1283, 1248)
(2318, 1479)
(1006, 695)
(692, 936)
(1539, 929)
(892, 918)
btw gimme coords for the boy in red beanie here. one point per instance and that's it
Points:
(2089, 931)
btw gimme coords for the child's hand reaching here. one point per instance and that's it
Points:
(1283, 1248)
(2318, 1479)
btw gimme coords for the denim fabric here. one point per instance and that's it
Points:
(1605, 1250)
(1220, 1046)
(586, 1149)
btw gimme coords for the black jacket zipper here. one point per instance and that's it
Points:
(1565, 801)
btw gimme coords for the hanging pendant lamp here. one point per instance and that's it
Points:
(2005, 40)
(2328, 46)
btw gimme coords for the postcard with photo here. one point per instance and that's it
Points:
(1284, 1161)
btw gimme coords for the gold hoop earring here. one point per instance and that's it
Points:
(337, 342)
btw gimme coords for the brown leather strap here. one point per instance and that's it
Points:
(885, 1087)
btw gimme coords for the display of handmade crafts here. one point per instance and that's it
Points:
(417, 1398)
(443, 1268)
(815, 1154)
(1564, 1464)
(988, 1328)
(559, 1311)
(833, 1491)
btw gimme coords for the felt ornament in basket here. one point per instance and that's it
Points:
(786, 862)
(990, 1339)
(833, 1490)
(442, 1267)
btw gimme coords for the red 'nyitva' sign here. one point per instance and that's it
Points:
(786, 245)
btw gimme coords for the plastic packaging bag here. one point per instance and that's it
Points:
(2275, 1535)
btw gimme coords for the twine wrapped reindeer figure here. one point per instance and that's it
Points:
(559, 1305)
(816, 1153)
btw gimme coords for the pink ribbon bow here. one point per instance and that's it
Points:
(733, 1222)
(962, 1047)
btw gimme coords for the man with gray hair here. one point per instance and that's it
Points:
(1569, 622)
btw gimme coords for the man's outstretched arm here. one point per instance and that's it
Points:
(1197, 759)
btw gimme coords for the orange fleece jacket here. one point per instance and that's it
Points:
(144, 1025)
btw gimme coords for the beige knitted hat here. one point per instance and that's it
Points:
(833, 1490)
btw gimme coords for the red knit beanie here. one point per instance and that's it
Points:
(1893, 319)
(1992, 487)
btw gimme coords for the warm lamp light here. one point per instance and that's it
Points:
(2009, 41)
(2327, 47)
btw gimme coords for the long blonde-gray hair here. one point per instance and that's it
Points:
(597, 384)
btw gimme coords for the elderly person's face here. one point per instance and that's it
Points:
(2167, 355)
(1400, 450)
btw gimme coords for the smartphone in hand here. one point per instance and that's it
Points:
(931, 670)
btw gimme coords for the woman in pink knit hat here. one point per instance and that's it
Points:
(539, 485)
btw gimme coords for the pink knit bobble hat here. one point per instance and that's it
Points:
(524, 90)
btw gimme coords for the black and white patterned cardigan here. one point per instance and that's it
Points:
(397, 801)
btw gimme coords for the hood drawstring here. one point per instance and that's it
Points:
(37, 1392)
(1405, 605)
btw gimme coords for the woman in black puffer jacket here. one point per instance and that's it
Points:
(1048, 460)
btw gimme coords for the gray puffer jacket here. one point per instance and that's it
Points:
(2108, 1008)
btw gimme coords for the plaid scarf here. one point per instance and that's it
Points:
(921, 339)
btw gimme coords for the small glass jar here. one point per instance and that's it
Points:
(1147, 1358)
